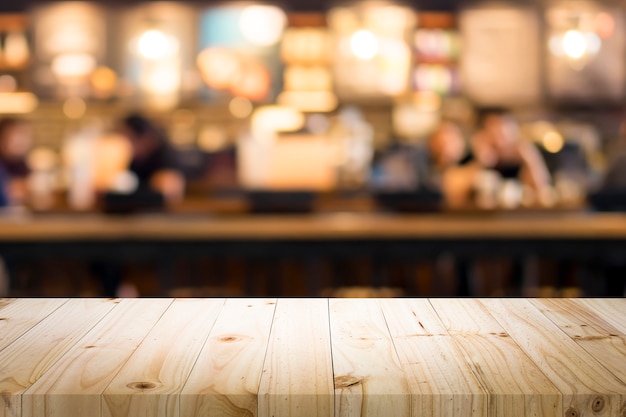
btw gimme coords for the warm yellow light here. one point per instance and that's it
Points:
(262, 25)
(553, 141)
(574, 44)
(17, 103)
(8, 84)
(74, 108)
(16, 51)
(73, 65)
(162, 79)
(42, 159)
(103, 82)
(154, 44)
(219, 67)
(270, 119)
(309, 101)
(364, 44)
(240, 107)
(212, 139)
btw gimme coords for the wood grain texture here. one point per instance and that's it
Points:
(588, 387)
(613, 310)
(599, 338)
(18, 316)
(297, 375)
(440, 381)
(225, 379)
(151, 380)
(314, 358)
(26, 360)
(516, 386)
(93, 362)
(369, 380)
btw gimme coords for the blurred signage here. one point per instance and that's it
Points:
(500, 59)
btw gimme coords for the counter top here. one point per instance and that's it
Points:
(312, 357)
(579, 225)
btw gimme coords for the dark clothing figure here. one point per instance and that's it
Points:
(162, 158)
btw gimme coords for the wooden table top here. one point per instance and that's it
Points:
(313, 357)
(315, 226)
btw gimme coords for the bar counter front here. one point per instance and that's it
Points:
(313, 357)
(583, 237)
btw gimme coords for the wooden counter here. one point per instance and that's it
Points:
(577, 225)
(312, 357)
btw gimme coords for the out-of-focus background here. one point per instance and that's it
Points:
(307, 148)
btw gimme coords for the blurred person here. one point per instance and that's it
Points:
(499, 146)
(15, 142)
(154, 165)
(509, 163)
(153, 161)
(452, 165)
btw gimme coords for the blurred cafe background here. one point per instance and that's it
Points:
(312, 117)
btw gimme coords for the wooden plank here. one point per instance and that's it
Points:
(598, 337)
(613, 310)
(225, 379)
(5, 302)
(588, 388)
(26, 360)
(297, 376)
(74, 385)
(440, 380)
(150, 382)
(369, 380)
(516, 386)
(18, 316)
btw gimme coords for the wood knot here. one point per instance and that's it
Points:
(228, 339)
(142, 386)
(89, 347)
(4, 319)
(623, 414)
(346, 381)
(597, 404)
(571, 412)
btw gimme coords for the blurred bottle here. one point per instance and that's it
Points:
(354, 138)
(80, 159)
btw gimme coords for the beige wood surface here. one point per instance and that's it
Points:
(18, 316)
(313, 357)
(38, 349)
(225, 380)
(516, 386)
(441, 382)
(612, 310)
(600, 339)
(297, 375)
(320, 226)
(369, 380)
(90, 365)
(150, 382)
(588, 388)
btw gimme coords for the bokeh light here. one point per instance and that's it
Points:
(262, 25)
(240, 107)
(74, 108)
(154, 44)
(72, 65)
(364, 44)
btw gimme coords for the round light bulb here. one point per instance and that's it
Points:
(364, 44)
(574, 44)
(154, 44)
